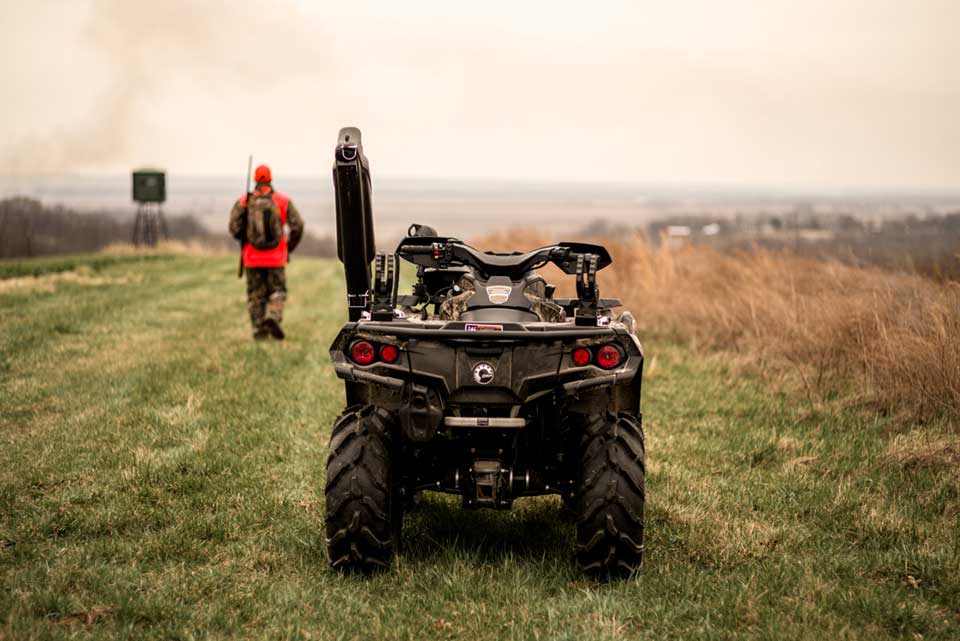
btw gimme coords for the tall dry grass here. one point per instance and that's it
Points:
(190, 247)
(890, 338)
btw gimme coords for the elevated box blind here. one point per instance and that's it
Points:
(149, 186)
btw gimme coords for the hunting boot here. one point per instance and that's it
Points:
(274, 315)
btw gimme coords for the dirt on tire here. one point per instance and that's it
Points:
(610, 500)
(361, 518)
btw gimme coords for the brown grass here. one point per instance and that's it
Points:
(918, 449)
(48, 282)
(891, 338)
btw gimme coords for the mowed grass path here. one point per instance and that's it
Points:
(161, 477)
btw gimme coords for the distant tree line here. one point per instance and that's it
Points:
(30, 228)
(929, 245)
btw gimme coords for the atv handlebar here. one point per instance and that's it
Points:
(447, 252)
(417, 251)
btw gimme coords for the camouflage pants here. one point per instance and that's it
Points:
(266, 293)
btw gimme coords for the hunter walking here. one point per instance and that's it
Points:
(257, 220)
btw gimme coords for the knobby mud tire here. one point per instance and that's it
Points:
(611, 496)
(362, 520)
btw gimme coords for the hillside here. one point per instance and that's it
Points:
(161, 477)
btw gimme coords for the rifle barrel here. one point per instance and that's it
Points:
(243, 230)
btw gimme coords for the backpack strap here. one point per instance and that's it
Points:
(282, 201)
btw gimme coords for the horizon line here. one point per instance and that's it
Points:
(686, 187)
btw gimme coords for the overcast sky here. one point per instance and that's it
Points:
(780, 93)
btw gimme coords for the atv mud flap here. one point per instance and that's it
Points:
(421, 412)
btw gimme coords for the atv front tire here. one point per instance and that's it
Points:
(611, 495)
(363, 524)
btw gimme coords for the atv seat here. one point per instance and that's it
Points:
(499, 300)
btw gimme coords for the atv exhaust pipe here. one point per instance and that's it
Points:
(355, 240)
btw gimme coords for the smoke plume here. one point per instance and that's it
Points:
(153, 55)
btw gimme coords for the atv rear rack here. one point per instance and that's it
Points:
(451, 331)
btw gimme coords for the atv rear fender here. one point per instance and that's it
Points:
(435, 373)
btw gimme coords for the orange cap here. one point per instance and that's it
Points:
(262, 174)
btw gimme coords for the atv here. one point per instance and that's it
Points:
(479, 383)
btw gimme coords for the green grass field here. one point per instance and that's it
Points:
(161, 478)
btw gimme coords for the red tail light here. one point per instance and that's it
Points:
(609, 356)
(581, 356)
(389, 354)
(362, 353)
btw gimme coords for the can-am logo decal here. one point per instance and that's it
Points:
(480, 327)
(498, 294)
(483, 373)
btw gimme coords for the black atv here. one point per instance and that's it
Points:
(480, 383)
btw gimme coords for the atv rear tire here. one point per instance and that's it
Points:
(611, 495)
(363, 522)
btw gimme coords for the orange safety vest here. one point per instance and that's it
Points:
(276, 257)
